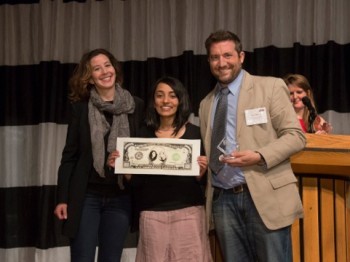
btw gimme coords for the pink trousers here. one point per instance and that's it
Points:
(178, 235)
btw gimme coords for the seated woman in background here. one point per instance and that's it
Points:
(302, 98)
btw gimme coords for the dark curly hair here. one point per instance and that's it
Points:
(79, 83)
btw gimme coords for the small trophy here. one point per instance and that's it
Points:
(222, 148)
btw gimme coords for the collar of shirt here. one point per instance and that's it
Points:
(229, 176)
(234, 86)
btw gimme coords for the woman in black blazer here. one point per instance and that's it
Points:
(93, 201)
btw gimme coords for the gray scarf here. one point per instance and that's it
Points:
(123, 104)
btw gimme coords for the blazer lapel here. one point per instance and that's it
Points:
(244, 99)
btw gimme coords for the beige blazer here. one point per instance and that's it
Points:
(274, 191)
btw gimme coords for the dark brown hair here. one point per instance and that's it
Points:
(183, 109)
(223, 35)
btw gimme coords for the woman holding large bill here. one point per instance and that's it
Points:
(171, 207)
(93, 203)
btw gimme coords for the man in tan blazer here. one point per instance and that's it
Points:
(253, 199)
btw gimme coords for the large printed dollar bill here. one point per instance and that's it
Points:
(157, 156)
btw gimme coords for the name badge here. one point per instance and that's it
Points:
(255, 116)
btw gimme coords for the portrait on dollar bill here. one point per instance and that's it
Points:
(157, 156)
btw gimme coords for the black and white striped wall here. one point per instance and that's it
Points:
(41, 42)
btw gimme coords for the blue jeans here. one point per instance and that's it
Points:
(104, 222)
(242, 234)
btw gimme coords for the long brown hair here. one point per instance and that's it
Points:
(79, 83)
(302, 82)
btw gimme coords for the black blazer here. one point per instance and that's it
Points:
(77, 161)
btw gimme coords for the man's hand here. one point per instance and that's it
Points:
(242, 158)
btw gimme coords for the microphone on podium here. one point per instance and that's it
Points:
(313, 114)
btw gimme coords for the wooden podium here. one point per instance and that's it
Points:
(323, 170)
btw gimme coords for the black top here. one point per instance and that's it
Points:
(106, 186)
(166, 192)
(77, 162)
